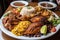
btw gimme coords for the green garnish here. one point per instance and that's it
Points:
(56, 22)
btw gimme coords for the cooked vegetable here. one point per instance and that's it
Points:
(51, 18)
(53, 29)
(43, 30)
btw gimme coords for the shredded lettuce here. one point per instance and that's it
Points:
(56, 22)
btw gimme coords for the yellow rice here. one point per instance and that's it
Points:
(18, 29)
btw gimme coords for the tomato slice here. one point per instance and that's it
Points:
(53, 29)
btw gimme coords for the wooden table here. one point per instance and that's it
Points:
(54, 37)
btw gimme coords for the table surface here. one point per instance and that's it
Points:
(54, 37)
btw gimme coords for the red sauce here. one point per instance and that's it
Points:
(19, 4)
(46, 5)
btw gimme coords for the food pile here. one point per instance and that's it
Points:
(32, 22)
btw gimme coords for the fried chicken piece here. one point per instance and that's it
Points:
(36, 19)
(33, 28)
(15, 11)
(46, 13)
(23, 18)
(14, 23)
(4, 20)
(38, 8)
(9, 21)
(8, 26)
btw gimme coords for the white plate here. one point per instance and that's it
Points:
(23, 37)
(54, 5)
(1, 38)
(24, 2)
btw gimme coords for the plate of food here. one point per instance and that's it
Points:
(30, 23)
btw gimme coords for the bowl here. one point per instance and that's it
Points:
(18, 3)
(23, 37)
(47, 5)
